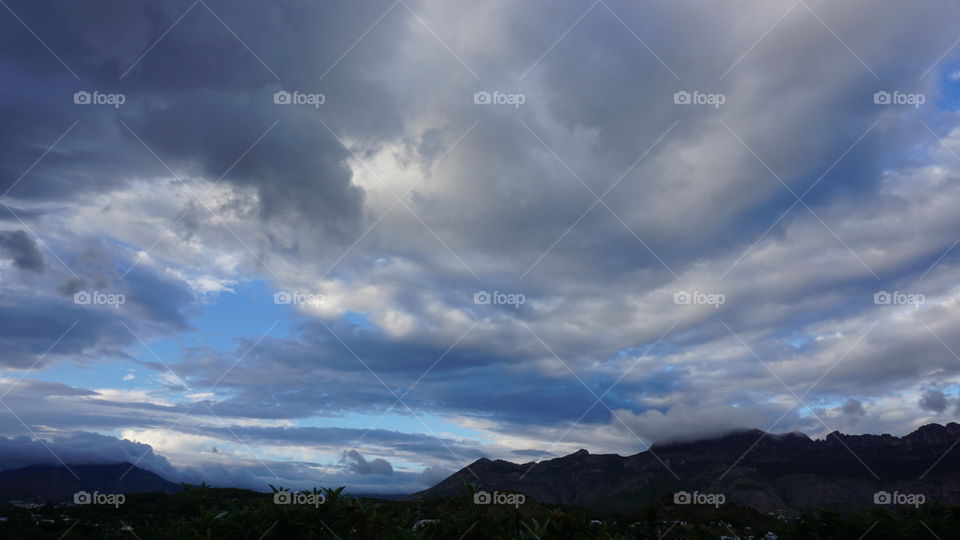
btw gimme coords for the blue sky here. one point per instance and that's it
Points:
(366, 245)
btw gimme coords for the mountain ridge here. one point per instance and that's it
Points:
(779, 473)
(58, 484)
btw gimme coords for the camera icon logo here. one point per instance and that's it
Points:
(282, 297)
(282, 97)
(81, 98)
(83, 298)
(882, 298)
(482, 497)
(682, 298)
(82, 497)
(681, 497)
(482, 98)
(881, 98)
(882, 497)
(482, 298)
(282, 497)
(681, 98)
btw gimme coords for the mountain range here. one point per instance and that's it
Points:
(47, 483)
(772, 473)
(780, 474)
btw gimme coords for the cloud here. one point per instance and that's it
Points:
(91, 448)
(682, 424)
(56, 324)
(358, 464)
(22, 249)
(200, 188)
(853, 407)
(934, 400)
(184, 121)
(81, 449)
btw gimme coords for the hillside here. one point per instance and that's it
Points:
(771, 473)
(43, 483)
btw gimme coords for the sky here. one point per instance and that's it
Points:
(367, 243)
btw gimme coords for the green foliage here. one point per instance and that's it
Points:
(202, 512)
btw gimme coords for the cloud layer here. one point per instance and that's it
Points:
(717, 217)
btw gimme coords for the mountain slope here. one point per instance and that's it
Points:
(44, 483)
(768, 472)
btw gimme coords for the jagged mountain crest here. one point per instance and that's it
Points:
(770, 472)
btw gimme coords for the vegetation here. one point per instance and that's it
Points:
(201, 512)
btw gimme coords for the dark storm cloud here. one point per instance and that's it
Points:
(296, 168)
(316, 374)
(90, 317)
(30, 327)
(198, 97)
(934, 400)
(853, 406)
(22, 249)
